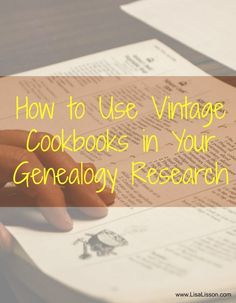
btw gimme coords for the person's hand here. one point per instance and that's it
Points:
(50, 198)
(5, 240)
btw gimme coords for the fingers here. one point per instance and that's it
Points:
(14, 197)
(82, 195)
(58, 217)
(6, 242)
(106, 195)
(44, 195)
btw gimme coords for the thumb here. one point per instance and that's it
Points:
(5, 240)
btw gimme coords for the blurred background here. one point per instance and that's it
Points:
(37, 33)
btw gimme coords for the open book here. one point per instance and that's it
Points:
(143, 253)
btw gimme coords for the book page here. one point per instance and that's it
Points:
(144, 58)
(204, 26)
(168, 249)
(139, 89)
(172, 250)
